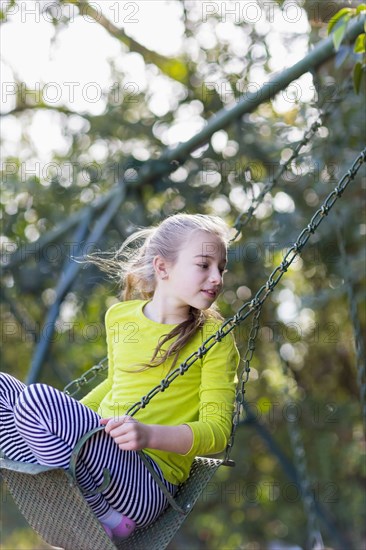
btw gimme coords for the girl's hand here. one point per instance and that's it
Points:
(131, 435)
(128, 433)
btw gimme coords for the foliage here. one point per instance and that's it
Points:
(338, 27)
(305, 322)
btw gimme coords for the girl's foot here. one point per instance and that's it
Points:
(125, 528)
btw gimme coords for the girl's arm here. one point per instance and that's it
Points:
(131, 435)
(211, 431)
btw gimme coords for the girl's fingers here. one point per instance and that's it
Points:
(121, 429)
(127, 433)
(112, 423)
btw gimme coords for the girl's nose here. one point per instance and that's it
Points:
(215, 276)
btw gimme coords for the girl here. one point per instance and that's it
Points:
(172, 275)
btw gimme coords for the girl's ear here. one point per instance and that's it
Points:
(160, 267)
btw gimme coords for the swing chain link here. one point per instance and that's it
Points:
(74, 387)
(242, 380)
(240, 223)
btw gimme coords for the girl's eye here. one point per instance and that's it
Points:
(204, 266)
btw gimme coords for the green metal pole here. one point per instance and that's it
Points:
(318, 55)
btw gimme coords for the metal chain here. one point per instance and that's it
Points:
(240, 223)
(242, 380)
(315, 541)
(73, 388)
(249, 307)
(358, 338)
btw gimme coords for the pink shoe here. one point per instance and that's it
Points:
(125, 528)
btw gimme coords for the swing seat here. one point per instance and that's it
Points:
(54, 506)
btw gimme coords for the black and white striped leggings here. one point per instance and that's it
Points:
(40, 424)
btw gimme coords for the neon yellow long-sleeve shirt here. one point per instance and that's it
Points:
(203, 398)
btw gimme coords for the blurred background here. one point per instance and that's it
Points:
(93, 94)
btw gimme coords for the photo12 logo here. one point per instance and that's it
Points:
(69, 93)
(251, 11)
(92, 12)
(230, 492)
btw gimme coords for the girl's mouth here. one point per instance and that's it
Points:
(210, 293)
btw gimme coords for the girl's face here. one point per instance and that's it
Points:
(196, 278)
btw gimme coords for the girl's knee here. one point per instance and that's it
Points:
(4, 376)
(31, 393)
(8, 382)
(10, 389)
(29, 403)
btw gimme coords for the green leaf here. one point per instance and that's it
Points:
(344, 12)
(338, 36)
(360, 44)
(357, 77)
(360, 8)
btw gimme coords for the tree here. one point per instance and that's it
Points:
(224, 57)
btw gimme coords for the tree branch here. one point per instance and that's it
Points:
(21, 108)
(173, 67)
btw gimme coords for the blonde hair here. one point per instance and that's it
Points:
(133, 266)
